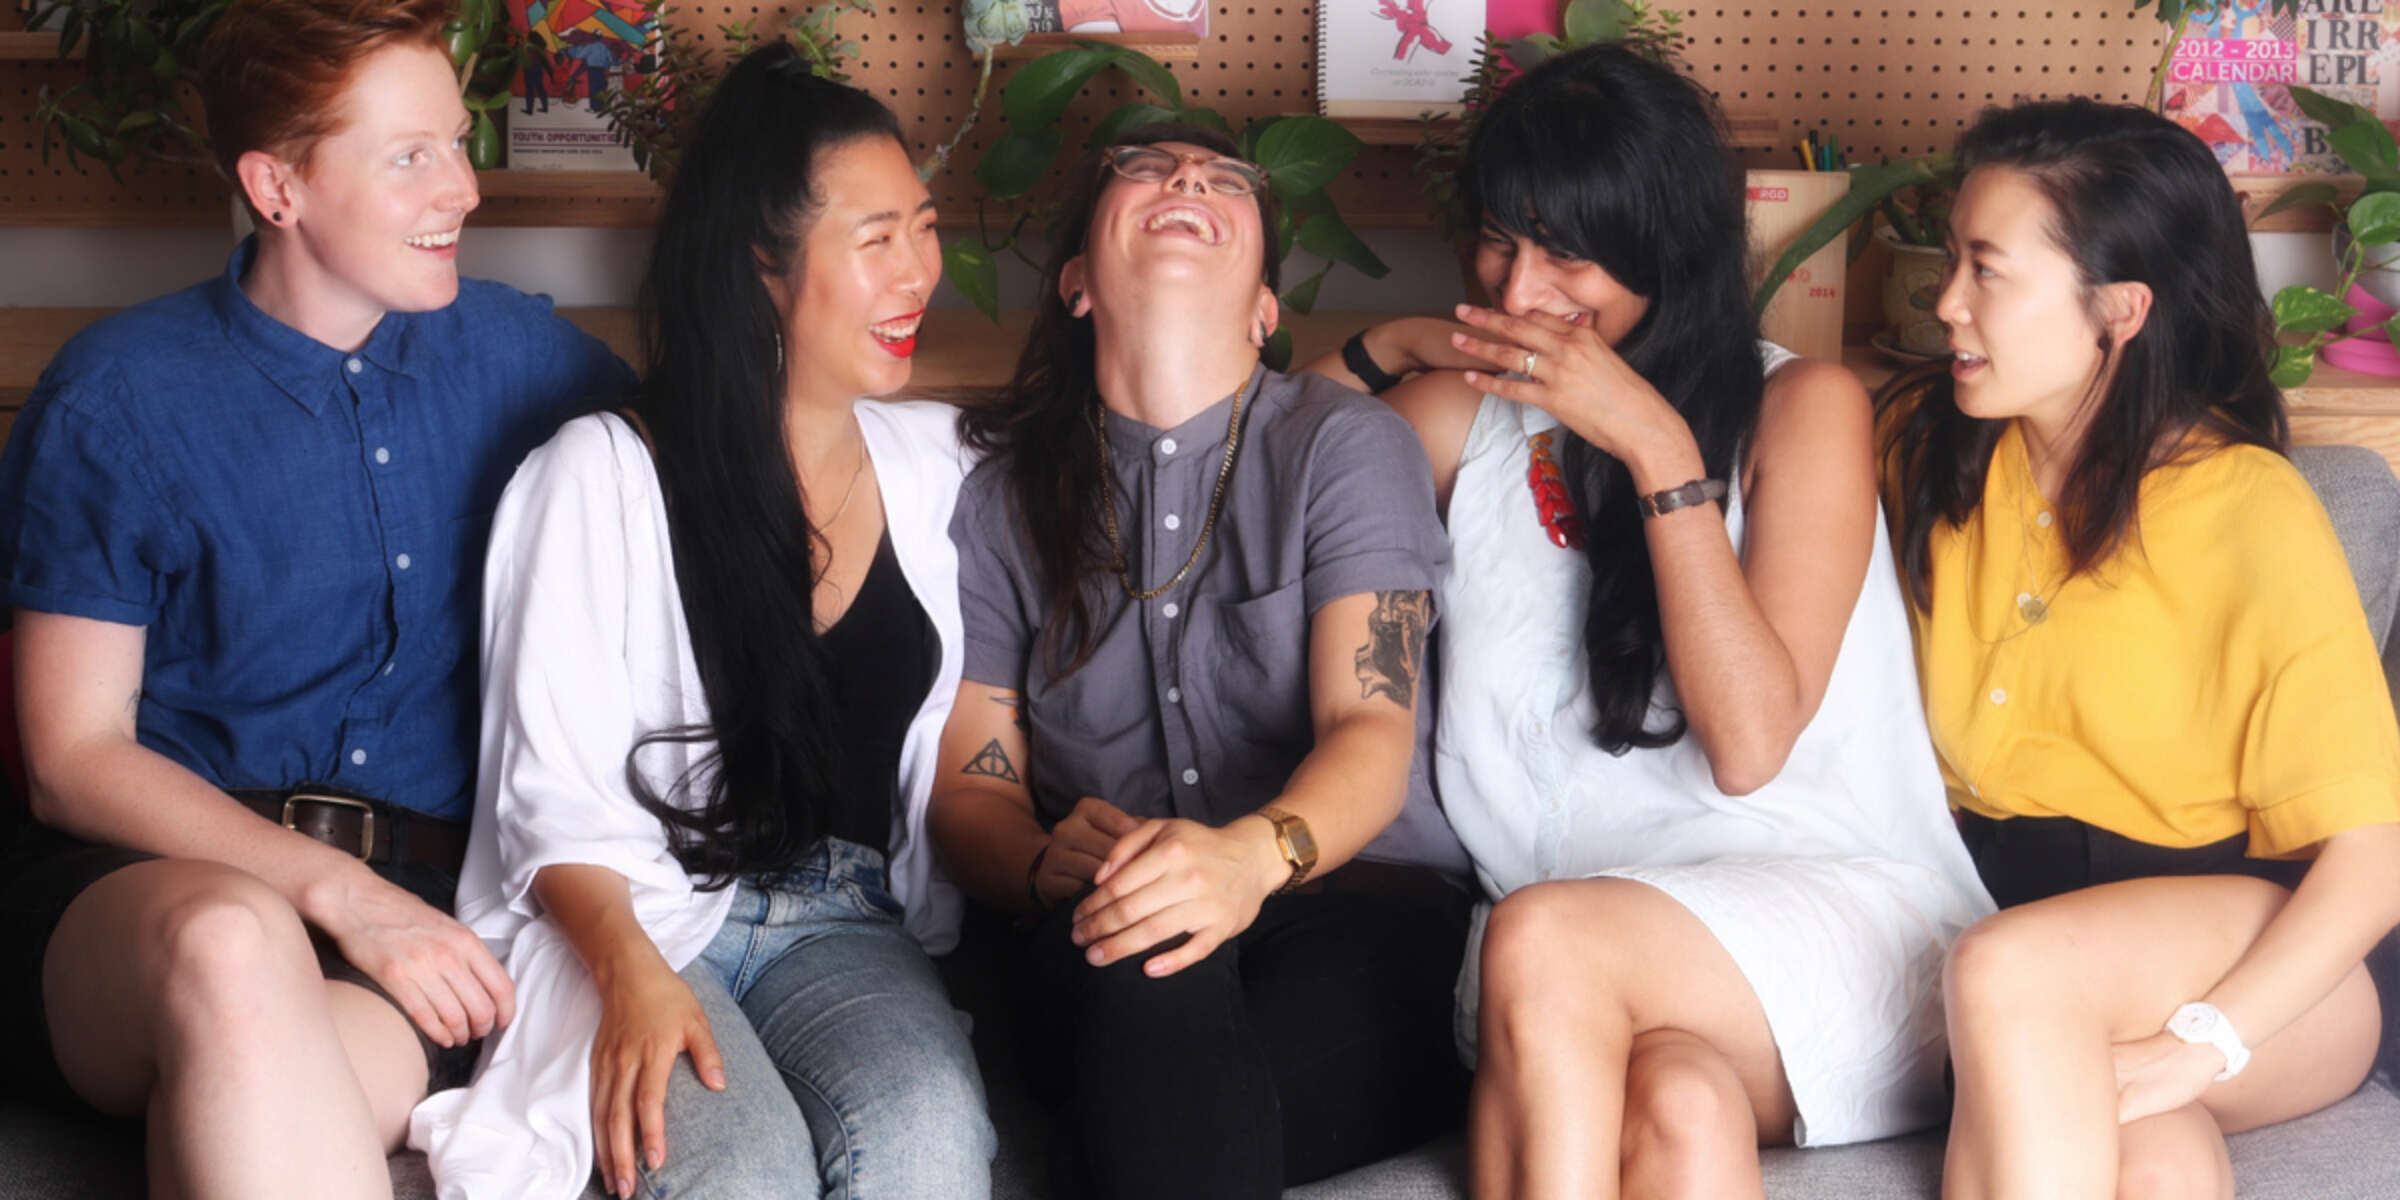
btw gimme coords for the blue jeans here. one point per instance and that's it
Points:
(848, 1074)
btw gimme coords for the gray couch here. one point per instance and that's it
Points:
(2348, 1152)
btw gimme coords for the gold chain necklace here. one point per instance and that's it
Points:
(1216, 500)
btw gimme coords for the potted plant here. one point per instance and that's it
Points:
(653, 116)
(487, 53)
(2366, 245)
(1302, 154)
(130, 105)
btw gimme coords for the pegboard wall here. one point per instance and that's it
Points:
(1888, 79)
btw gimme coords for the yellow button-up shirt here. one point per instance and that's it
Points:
(2214, 676)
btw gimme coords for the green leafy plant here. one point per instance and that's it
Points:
(1924, 221)
(1302, 154)
(131, 104)
(487, 52)
(1645, 28)
(653, 116)
(2307, 319)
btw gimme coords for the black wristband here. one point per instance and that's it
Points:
(1033, 869)
(1361, 364)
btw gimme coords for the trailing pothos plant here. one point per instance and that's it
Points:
(2305, 318)
(1301, 154)
(1647, 29)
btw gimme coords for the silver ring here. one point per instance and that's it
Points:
(1527, 370)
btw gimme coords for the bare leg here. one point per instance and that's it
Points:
(2038, 994)
(385, 1056)
(187, 992)
(2173, 1156)
(1574, 974)
(1689, 1128)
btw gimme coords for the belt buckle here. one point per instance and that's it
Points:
(366, 812)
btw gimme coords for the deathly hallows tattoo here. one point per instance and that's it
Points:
(992, 761)
(1394, 655)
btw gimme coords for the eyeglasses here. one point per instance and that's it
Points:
(1149, 164)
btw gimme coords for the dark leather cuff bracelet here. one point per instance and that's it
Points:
(1363, 365)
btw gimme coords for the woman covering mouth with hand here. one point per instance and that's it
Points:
(721, 635)
(1196, 602)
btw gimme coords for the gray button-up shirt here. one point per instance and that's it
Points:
(1194, 704)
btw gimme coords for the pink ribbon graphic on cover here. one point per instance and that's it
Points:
(1415, 28)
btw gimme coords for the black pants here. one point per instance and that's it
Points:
(1317, 1041)
(2024, 859)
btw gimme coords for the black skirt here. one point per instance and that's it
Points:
(2024, 859)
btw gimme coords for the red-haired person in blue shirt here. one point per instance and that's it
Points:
(242, 528)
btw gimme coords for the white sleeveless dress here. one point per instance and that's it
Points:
(1837, 887)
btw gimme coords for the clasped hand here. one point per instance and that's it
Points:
(2161, 1073)
(1164, 879)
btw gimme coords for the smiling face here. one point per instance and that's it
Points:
(2020, 316)
(853, 297)
(376, 211)
(1180, 233)
(1521, 277)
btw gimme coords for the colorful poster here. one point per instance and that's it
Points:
(2228, 80)
(588, 47)
(989, 22)
(1395, 58)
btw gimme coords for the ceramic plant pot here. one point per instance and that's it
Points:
(1911, 286)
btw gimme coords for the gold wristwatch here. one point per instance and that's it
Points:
(1298, 845)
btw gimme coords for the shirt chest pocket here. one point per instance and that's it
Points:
(1251, 656)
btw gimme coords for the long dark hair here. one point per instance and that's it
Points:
(1605, 156)
(712, 402)
(2134, 198)
(1039, 428)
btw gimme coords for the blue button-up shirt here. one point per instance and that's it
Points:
(300, 530)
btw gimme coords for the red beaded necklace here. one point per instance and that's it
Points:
(1550, 496)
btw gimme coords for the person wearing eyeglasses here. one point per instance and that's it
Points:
(1186, 747)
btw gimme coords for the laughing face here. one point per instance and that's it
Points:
(2019, 313)
(853, 297)
(376, 213)
(1184, 231)
(1522, 278)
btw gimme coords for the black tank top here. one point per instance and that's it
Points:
(879, 664)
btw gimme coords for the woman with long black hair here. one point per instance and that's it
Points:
(2158, 707)
(1678, 726)
(1195, 598)
(721, 636)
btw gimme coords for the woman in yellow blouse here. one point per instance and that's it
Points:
(2151, 686)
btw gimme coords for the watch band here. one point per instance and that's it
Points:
(1294, 841)
(2203, 1024)
(1698, 491)
(1363, 365)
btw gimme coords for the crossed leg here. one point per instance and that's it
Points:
(188, 993)
(2038, 994)
(1622, 1051)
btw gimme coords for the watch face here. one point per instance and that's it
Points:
(2193, 1021)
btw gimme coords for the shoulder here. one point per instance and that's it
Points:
(593, 456)
(1813, 407)
(483, 299)
(1330, 419)
(107, 361)
(925, 427)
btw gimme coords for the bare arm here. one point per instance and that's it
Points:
(1176, 877)
(648, 1016)
(982, 817)
(1401, 347)
(1751, 642)
(79, 687)
(2347, 902)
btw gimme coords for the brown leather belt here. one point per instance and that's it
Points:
(380, 833)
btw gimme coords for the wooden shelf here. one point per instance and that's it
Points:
(1160, 46)
(1745, 131)
(20, 46)
(2259, 191)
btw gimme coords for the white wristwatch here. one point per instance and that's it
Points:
(2200, 1023)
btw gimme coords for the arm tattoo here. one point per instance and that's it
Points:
(1394, 655)
(1015, 704)
(992, 761)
